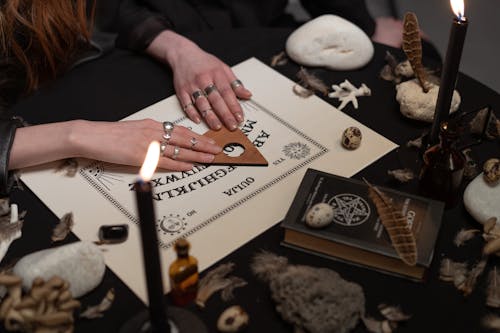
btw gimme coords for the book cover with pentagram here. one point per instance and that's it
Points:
(356, 234)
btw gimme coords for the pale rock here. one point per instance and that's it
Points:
(482, 200)
(81, 264)
(415, 104)
(330, 41)
(320, 215)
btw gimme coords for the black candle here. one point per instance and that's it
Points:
(450, 69)
(149, 238)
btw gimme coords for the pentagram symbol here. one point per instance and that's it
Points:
(172, 224)
(350, 210)
(296, 150)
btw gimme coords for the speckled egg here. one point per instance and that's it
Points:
(233, 319)
(320, 215)
(491, 170)
(351, 139)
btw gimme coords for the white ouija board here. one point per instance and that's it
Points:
(218, 208)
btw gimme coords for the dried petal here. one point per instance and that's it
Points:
(279, 59)
(96, 311)
(69, 165)
(402, 175)
(393, 313)
(63, 227)
(464, 235)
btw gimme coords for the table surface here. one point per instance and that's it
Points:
(122, 83)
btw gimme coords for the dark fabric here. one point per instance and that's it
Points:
(7, 133)
(141, 20)
(122, 83)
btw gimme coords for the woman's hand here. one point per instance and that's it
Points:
(124, 142)
(205, 86)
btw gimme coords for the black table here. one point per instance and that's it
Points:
(122, 83)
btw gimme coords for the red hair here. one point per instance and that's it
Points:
(42, 36)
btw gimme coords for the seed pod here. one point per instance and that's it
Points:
(55, 319)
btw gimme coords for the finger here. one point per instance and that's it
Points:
(220, 108)
(187, 139)
(173, 165)
(188, 107)
(231, 101)
(187, 155)
(239, 90)
(203, 106)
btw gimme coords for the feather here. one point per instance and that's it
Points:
(493, 289)
(216, 280)
(96, 311)
(464, 235)
(311, 81)
(402, 175)
(69, 165)
(412, 46)
(63, 228)
(395, 223)
(470, 282)
(279, 59)
(491, 321)
(452, 271)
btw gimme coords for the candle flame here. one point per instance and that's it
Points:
(151, 161)
(458, 8)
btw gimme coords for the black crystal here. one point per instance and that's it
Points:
(113, 234)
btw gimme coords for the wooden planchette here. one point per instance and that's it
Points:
(225, 138)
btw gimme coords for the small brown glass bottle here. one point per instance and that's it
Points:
(443, 168)
(183, 273)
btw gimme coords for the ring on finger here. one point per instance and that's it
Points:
(187, 106)
(176, 152)
(193, 142)
(236, 83)
(210, 89)
(163, 147)
(204, 112)
(197, 94)
(168, 127)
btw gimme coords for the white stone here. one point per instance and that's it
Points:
(482, 200)
(330, 41)
(80, 263)
(320, 215)
(416, 104)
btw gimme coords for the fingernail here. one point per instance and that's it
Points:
(232, 125)
(239, 117)
(197, 120)
(217, 126)
(208, 157)
(212, 141)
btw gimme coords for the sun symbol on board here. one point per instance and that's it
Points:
(105, 178)
(172, 224)
(296, 150)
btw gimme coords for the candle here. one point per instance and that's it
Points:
(450, 68)
(149, 238)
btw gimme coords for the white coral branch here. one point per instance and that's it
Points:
(346, 93)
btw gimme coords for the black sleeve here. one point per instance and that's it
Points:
(7, 133)
(138, 25)
(352, 10)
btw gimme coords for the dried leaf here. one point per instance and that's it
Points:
(464, 235)
(63, 227)
(96, 311)
(395, 223)
(279, 59)
(412, 46)
(402, 175)
(312, 82)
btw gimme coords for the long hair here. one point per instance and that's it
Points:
(39, 39)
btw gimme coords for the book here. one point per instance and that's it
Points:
(356, 234)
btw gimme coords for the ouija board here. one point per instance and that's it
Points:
(219, 207)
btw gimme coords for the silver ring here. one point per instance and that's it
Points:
(204, 112)
(236, 83)
(210, 89)
(163, 147)
(176, 152)
(197, 94)
(188, 105)
(193, 142)
(168, 127)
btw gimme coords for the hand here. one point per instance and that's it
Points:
(124, 142)
(388, 31)
(127, 142)
(195, 70)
